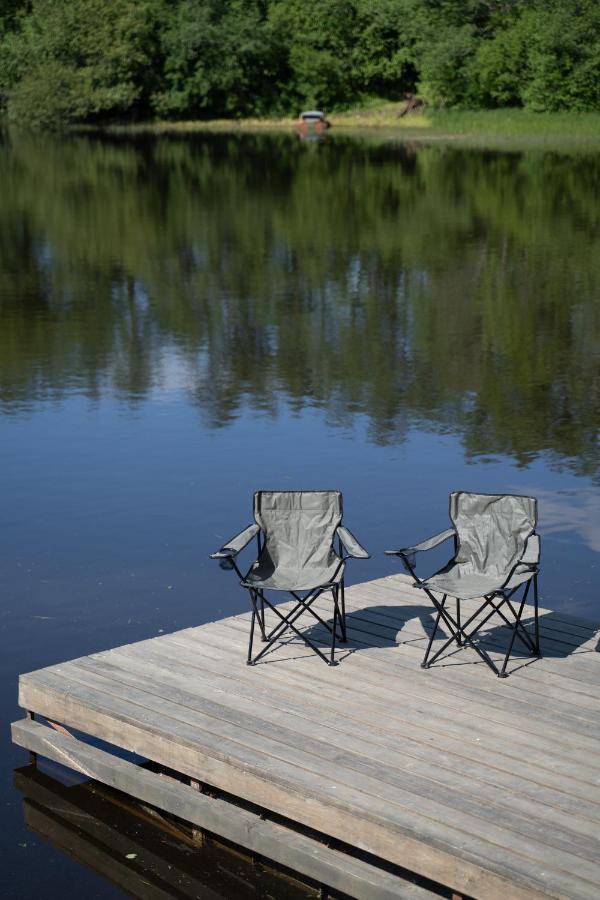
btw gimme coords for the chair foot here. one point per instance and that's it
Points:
(424, 665)
(502, 674)
(249, 662)
(333, 662)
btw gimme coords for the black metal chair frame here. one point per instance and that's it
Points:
(259, 600)
(459, 633)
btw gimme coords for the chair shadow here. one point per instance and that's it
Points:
(381, 626)
(378, 626)
(362, 633)
(559, 639)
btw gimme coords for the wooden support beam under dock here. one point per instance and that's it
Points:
(488, 787)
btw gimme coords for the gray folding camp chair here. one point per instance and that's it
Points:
(496, 552)
(295, 532)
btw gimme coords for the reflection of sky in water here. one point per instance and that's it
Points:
(98, 488)
(571, 512)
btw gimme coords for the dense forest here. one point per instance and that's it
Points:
(64, 61)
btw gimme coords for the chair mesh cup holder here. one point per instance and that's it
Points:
(296, 533)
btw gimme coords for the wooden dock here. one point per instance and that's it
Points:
(487, 787)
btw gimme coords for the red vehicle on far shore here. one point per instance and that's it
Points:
(312, 122)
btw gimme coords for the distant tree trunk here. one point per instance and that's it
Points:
(412, 104)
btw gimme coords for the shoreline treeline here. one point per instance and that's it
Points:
(68, 61)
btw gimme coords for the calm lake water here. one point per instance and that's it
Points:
(185, 320)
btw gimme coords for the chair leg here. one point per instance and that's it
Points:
(459, 632)
(335, 591)
(343, 612)
(467, 638)
(262, 618)
(503, 673)
(287, 623)
(458, 637)
(536, 619)
(250, 642)
(305, 605)
(258, 604)
(424, 664)
(522, 634)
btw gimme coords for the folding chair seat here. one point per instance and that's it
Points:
(295, 533)
(496, 553)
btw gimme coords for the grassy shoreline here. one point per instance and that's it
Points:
(503, 127)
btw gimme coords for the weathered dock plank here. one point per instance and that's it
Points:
(489, 787)
(296, 851)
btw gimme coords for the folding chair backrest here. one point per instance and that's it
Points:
(492, 529)
(299, 526)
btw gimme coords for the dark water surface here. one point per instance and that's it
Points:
(183, 321)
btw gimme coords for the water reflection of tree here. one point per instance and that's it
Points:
(456, 288)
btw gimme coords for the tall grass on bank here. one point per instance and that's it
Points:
(500, 127)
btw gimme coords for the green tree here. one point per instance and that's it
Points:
(219, 59)
(499, 67)
(76, 60)
(384, 50)
(563, 56)
(318, 38)
(445, 63)
(64, 61)
(545, 56)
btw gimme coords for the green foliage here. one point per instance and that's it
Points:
(9, 10)
(64, 61)
(318, 38)
(44, 97)
(546, 58)
(219, 59)
(445, 66)
(499, 67)
(74, 60)
(563, 56)
(384, 48)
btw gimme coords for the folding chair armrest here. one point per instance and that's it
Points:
(423, 545)
(531, 554)
(527, 566)
(237, 543)
(351, 545)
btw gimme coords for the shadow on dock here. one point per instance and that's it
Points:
(381, 626)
